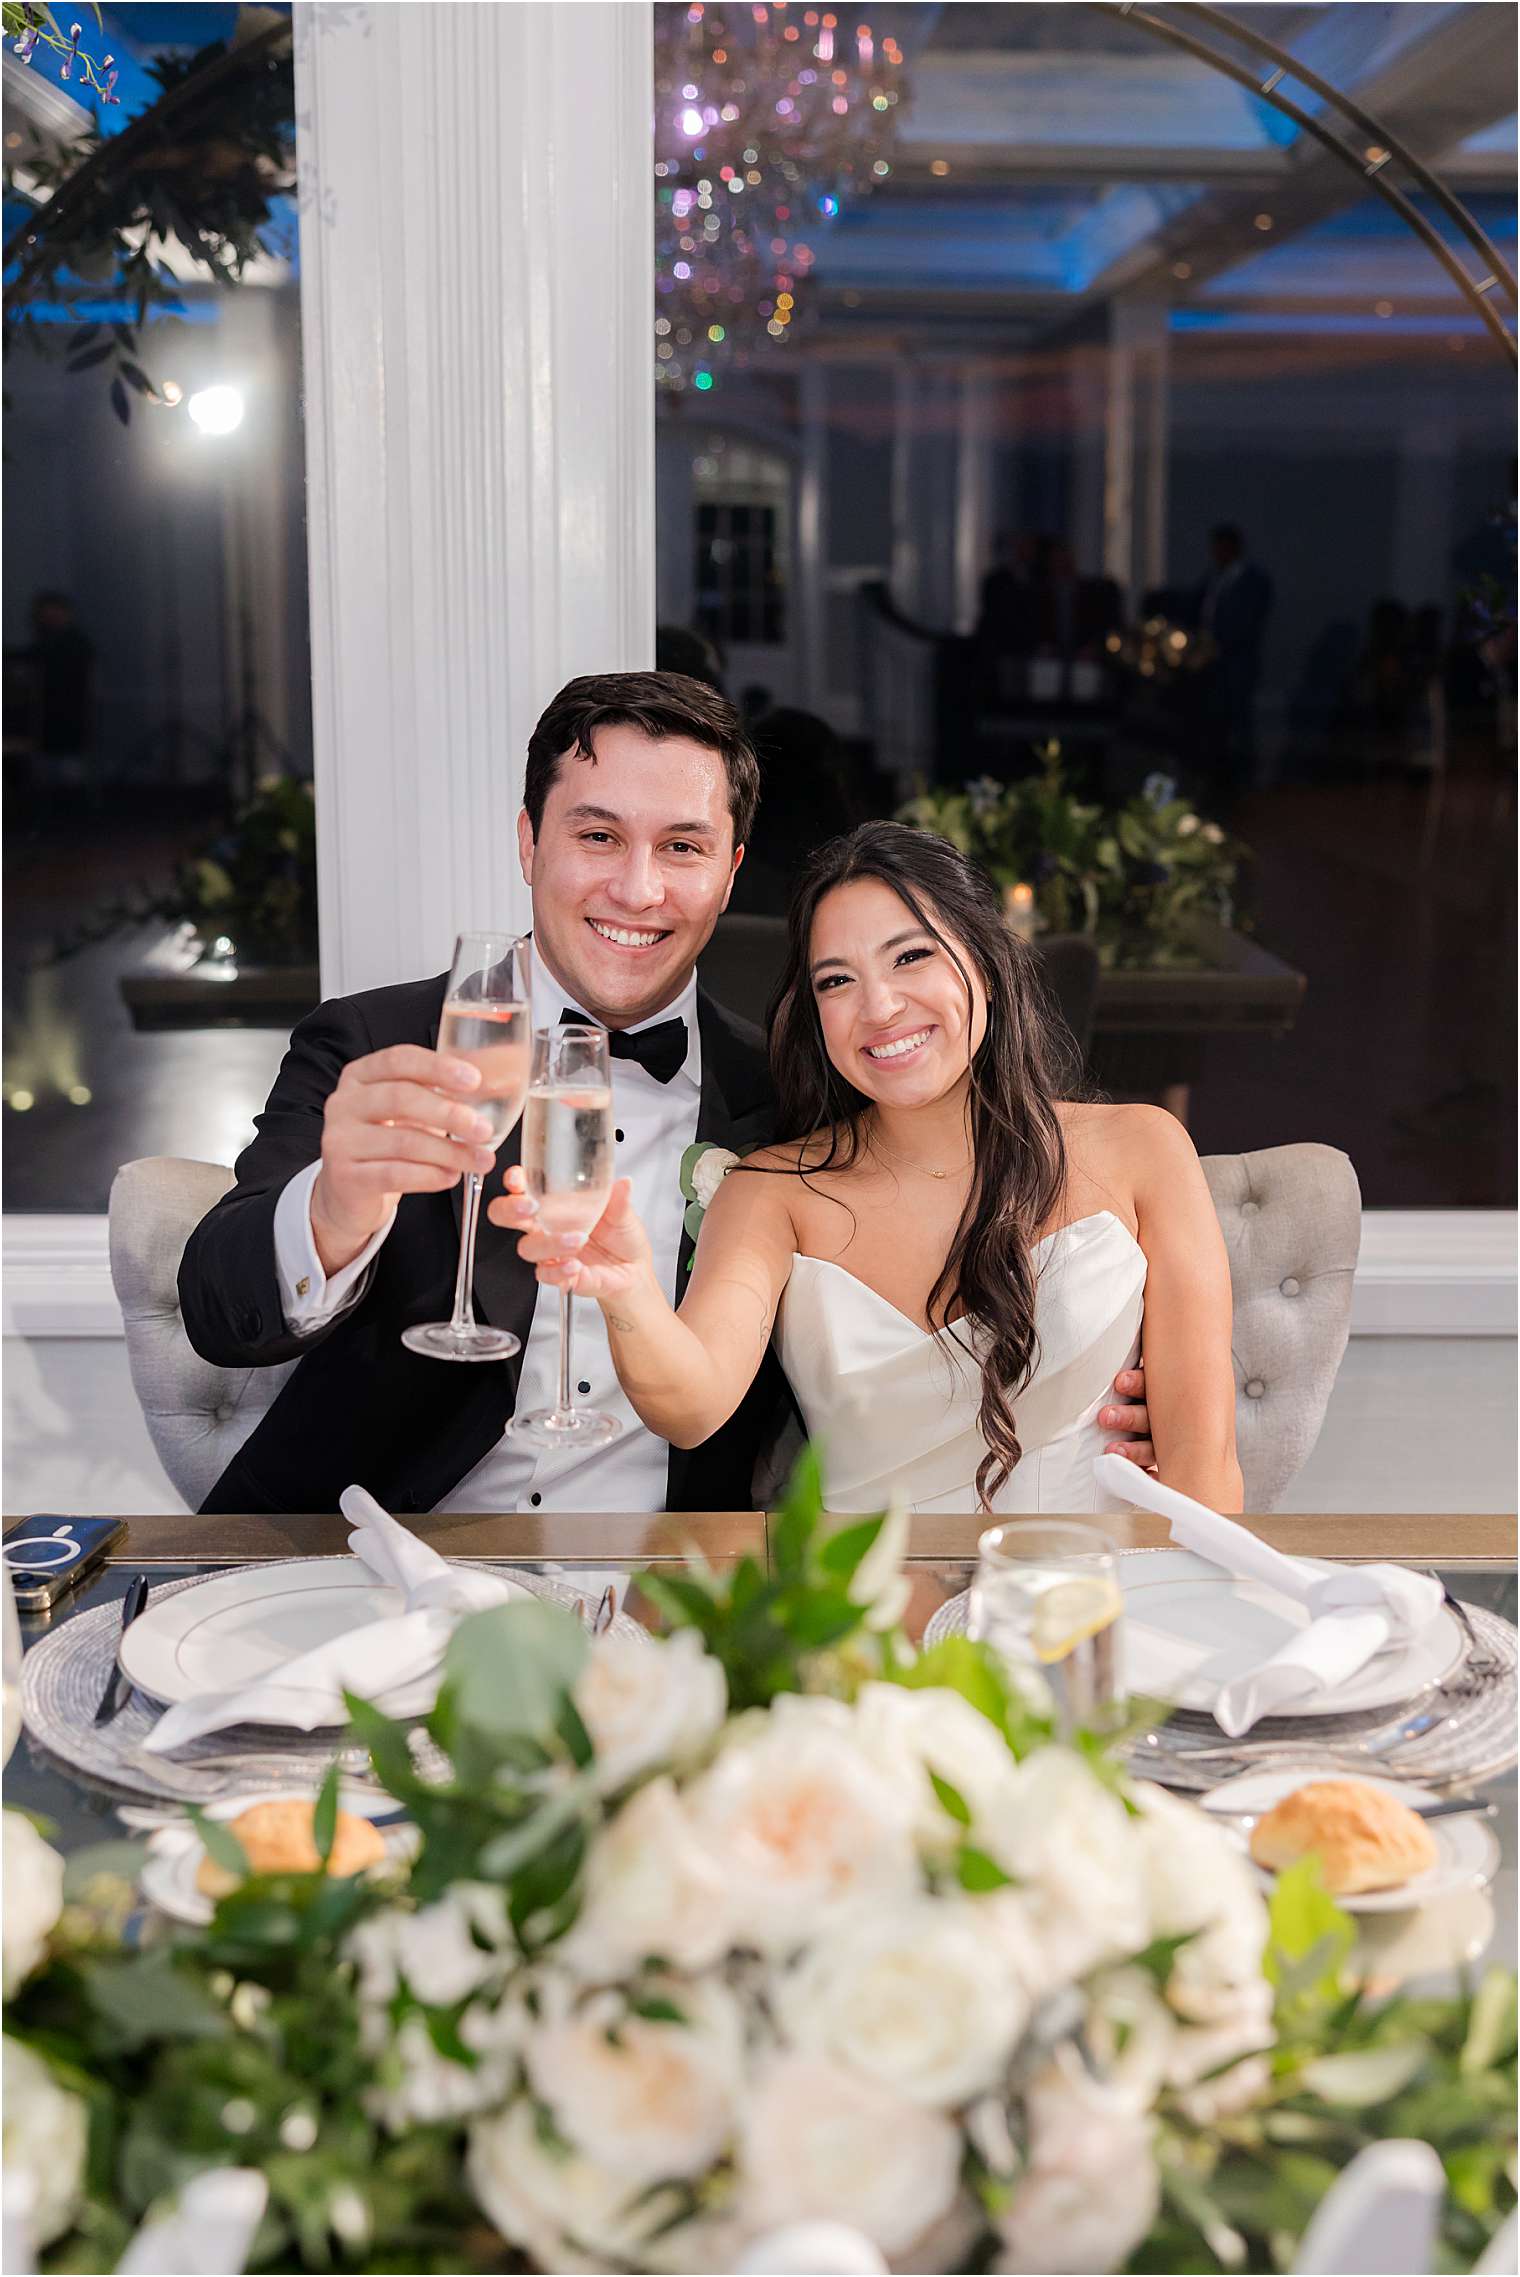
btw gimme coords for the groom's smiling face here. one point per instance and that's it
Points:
(631, 867)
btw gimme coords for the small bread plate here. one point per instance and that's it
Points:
(175, 1852)
(1467, 1851)
(240, 1627)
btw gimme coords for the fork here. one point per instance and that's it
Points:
(1376, 1746)
(1479, 1661)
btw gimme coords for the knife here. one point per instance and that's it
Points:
(115, 1696)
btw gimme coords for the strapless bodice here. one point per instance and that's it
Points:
(893, 1408)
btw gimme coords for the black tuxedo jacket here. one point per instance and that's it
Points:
(361, 1408)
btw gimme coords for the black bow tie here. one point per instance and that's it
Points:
(660, 1051)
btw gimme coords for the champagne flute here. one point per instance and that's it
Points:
(567, 1161)
(486, 1019)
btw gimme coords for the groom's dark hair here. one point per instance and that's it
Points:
(660, 704)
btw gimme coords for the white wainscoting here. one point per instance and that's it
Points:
(1421, 1273)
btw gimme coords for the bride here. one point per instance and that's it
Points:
(953, 1261)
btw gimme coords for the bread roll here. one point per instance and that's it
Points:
(277, 1839)
(1364, 1838)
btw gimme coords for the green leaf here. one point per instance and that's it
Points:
(1159, 1957)
(146, 1997)
(505, 1855)
(1491, 2023)
(1310, 1936)
(222, 1845)
(1361, 2077)
(801, 1507)
(656, 2009)
(841, 1553)
(978, 1873)
(511, 1669)
(951, 1799)
(324, 1817)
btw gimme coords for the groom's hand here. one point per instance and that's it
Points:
(1131, 1416)
(607, 1262)
(396, 1122)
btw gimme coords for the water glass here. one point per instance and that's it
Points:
(1046, 1597)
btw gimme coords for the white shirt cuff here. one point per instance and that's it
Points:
(310, 1300)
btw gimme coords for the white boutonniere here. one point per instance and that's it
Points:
(704, 1167)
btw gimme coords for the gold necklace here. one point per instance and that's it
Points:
(921, 1167)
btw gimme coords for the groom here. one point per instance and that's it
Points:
(343, 1226)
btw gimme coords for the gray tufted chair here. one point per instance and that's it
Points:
(1292, 1220)
(197, 1415)
(1291, 1217)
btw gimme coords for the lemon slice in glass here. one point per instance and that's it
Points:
(1073, 1611)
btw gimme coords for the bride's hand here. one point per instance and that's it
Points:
(607, 1263)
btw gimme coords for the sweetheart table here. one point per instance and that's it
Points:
(1475, 1555)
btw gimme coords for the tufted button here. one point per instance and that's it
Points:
(225, 1412)
(1255, 1388)
(1249, 1209)
(535, 1499)
(618, 1136)
(1289, 1287)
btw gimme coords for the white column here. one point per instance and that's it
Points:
(973, 492)
(1136, 435)
(477, 280)
(812, 601)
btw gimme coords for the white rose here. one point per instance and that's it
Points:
(822, 2144)
(436, 1951)
(1067, 1840)
(879, 1582)
(651, 1889)
(416, 2085)
(1186, 825)
(46, 2130)
(1213, 834)
(805, 1822)
(32, 1899)
(908, 1994)
(541, 2194)
(708, 1173)
(647, 1705)
(1199, 1884)
(1090, 2191)
(910, 1734)
(646, 2100)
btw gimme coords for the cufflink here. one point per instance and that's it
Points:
(303, 1286)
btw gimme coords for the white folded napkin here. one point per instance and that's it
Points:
(379, 1660)
(1355, 1611)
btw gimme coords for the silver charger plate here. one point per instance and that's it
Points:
(64, 1675)
(1473, 1737)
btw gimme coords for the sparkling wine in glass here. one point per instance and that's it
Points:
(567, 1160)
(487, 1019)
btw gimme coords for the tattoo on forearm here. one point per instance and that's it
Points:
(624, 1327)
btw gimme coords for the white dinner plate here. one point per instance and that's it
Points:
(1189, 1627)
(175, 1852)
(241, 1626)
(1467, 1850)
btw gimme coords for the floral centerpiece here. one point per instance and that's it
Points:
(1138, 878)
(769, 1921)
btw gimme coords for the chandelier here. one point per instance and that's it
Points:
(767, 118)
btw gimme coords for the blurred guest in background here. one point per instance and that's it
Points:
(681, 648)
(1232, 605)
(805, 799)
(63, 692)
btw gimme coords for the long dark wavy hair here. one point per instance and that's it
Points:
(1024, 1062)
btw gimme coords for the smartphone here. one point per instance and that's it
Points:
(47, 1556)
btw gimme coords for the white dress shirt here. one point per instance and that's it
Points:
(655, 1123)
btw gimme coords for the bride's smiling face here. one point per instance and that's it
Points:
(896, 1019)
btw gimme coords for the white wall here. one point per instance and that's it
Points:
(1416, 1423)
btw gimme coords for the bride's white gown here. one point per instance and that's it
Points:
(893, 1408)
